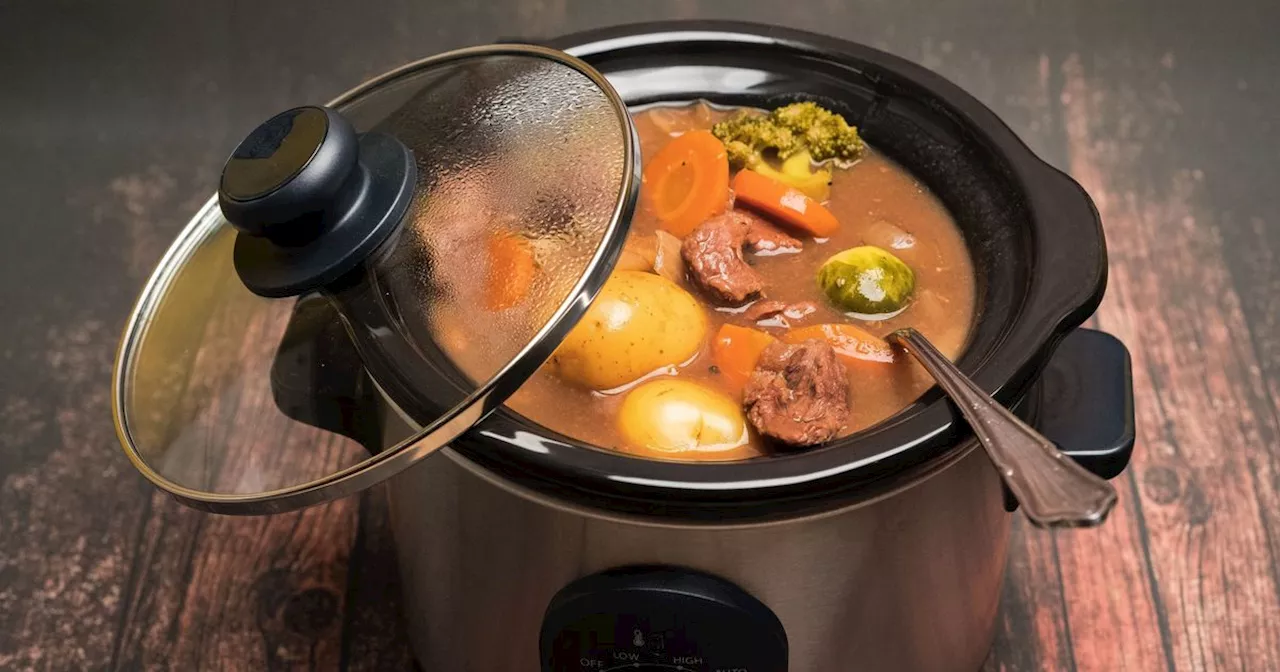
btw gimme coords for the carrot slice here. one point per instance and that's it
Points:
(687, 182)
(736, 350)
(855, 346)
(511, 272)
(788, 204)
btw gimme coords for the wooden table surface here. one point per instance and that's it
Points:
(116, 117)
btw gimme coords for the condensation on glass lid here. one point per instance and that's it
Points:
(511, 208)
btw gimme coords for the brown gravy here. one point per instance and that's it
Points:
(874, 200)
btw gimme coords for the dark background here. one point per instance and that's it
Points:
(115, 118)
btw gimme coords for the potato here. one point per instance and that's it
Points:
(639, 323)
(669, 415)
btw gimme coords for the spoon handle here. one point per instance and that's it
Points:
(1053, 490)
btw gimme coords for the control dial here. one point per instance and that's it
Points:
(660, 620)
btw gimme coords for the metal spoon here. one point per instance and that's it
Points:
(1053, 490)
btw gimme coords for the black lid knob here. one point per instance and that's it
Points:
(287, 170)
(311, 199)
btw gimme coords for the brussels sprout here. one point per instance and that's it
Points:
(867, 280)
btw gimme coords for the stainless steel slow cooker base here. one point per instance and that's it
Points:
(910, 581)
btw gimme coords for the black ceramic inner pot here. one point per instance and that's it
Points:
(1035, 238)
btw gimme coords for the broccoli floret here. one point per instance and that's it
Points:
(750, 133)
(800, 135)
(740, 153)
(826, 134)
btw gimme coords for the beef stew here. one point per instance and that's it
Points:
(733, 327)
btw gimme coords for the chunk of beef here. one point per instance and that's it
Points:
(779, 313)
(765, 239)
(798, 394)
(713, 255)
(764, 309)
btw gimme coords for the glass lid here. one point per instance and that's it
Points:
(471, 204)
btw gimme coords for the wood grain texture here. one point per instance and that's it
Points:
(1206, 427)
(118, 115)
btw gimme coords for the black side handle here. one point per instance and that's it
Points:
(1086, 403)
(317, 377)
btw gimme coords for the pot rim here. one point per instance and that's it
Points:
(919, 475)
(1067, 281)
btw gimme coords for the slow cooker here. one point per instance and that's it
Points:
(277, 358)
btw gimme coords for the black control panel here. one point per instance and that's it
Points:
(658, 619)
